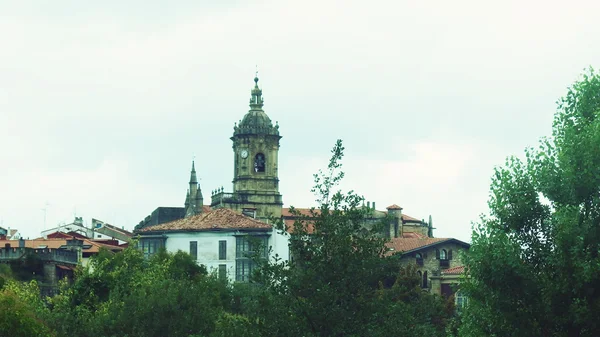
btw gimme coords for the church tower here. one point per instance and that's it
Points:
(255, 169)
(193, 200)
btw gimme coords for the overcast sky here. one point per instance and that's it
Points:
(104, 104)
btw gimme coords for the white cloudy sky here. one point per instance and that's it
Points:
(103, 104)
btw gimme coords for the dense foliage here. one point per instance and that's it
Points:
(534, 263)
(339, 283)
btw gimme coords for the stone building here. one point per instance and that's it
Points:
(438, 260)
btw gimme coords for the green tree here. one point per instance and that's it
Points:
(21, 309)
(340, 281)
(534, 266)
(124, 294)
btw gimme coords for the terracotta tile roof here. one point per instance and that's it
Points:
(63, 235)
(219, 219)
(409, 218)
(94, 247)
(285, 212)
(413, 235)
(397, 245)
(394, 206)
(454, 270)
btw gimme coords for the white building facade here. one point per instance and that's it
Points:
(222, 240)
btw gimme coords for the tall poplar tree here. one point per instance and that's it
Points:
(534, 264)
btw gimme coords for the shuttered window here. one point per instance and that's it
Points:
(222, 250)
(194, 249)
(222, 271)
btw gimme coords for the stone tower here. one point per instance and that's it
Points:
(193, 200)
(255, 169)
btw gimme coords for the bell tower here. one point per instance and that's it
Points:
(255, 164)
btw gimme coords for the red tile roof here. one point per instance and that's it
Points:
(394, 206)
(454, 270)
(219, 219)
(57, 243)
(63, 235)
(408, 244)
(285, 212)
(409, 218)
(413, 235)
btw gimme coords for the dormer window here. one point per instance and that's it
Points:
(259, 163)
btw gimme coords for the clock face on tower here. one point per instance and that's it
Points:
(244, 154)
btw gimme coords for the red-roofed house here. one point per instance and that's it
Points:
(219, 239)
(438, 260)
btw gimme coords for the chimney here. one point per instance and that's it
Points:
(368, 205)
(21, 243)
(374, 206)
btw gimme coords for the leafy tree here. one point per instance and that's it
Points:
(335, 284)
(534, 265)
(21, 306)
(124, 294)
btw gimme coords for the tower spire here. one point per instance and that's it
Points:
(256, 101)
(193, 178)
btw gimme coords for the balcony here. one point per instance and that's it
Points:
(240, 198)
(45, 254)
(444, 263)
(223, 197)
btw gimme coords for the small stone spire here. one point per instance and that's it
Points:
(430, 228)
(256, 101)
(193, 178)
(187, 199)
(194, 200)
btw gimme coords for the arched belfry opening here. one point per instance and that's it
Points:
(259, 163)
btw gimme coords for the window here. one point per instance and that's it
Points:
(243, 270)
(245, 247)
(460, 300)
(259, 163)
(151, 246)
(222, 250)
(194, 249)
(223, 271)
(424, 280)
(443, 255)
(419, 259)
(249, 212)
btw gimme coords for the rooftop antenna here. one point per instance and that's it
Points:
(45, 209)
